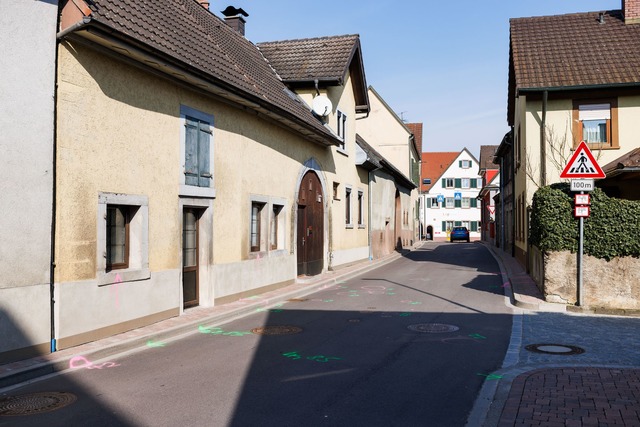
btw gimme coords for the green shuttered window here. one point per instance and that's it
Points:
(197, 152)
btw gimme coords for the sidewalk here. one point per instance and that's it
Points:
(601, 389)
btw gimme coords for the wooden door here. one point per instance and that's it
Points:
(190, 255)
(310, 242)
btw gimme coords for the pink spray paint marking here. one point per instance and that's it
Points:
(80, 362)
(115, 289)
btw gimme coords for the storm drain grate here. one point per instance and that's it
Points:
(277, 330)
(432, 328)
(34, 403)
(560, 349)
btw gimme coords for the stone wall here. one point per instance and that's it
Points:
(611, 284)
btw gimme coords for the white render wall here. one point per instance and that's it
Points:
(434, 216)
(27, 67)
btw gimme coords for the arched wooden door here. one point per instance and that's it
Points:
(310, 244)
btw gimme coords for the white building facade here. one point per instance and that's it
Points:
(452, 200)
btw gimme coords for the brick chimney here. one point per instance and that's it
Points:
(631, 11)
(205, 3)
(235, 18)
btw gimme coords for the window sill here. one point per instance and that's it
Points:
(362, 226)
(193, 191)
(349, 226)
(342, 151)
(124, 275)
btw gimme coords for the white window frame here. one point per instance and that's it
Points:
(465, 182)
(192, 190)
(434, 203)
(450, 202)
(466, 164)
(446, 182)
(341, 129)
(348, 206)
(138, 268)
(360, 207)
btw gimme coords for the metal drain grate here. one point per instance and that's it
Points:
(432, 328)
(276, 330)
(34, 403)
(559, 349)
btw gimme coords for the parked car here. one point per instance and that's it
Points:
(459, 233)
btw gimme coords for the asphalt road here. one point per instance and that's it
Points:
(407, 344)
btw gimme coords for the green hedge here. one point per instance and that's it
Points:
(612, 230)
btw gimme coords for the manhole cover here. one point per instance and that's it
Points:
(561, 349)
(276, 330)
(34, 403)
(432, 328)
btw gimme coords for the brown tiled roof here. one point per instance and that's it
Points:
(574, 50)
(434, 165)
(629, 161)
(185, 34)
(416, 130)
(376, 160)
(322, 58)
(326, 59)
(487, 153)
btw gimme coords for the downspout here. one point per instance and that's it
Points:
(502, 179)
(543, 140)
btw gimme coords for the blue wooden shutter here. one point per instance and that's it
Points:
(191, 151)
(473, 202)
(444, 203)
(444, 225)
(474, 183)
(428, 202)
(458, 183)
(474, 225)
(444, 182)
(204, 137)
(457, 203)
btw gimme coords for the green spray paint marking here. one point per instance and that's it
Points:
(294, 355)
(220, 331)
(405, 314)
(154, 344)
(491, 376)
(478, 336)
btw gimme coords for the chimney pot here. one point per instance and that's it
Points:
(204, 3)
(234, 17)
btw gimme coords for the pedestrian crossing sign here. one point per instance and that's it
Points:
(582, 164)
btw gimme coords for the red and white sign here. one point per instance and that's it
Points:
(582, 164)
(582, 199)
(581, 211)
(492, 209)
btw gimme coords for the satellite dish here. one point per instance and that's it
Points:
(321, 106)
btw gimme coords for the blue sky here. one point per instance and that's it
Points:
(442, 63)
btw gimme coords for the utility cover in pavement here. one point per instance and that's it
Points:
(34, 403)
(560, 349)
(432, 328)
(276, 330)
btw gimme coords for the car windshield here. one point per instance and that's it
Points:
(459, 229)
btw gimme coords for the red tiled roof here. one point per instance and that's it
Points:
(434, 165)
(574, 50)
(188, 35)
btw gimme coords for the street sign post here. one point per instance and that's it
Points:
(582, 169)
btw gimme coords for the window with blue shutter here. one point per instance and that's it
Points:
(197, 152)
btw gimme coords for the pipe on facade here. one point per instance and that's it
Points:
(543, 140)
(75, 27)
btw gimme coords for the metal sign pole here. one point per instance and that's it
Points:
(580, 249)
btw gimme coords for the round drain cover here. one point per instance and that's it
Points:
(432, 328)
(276, 330)
(34, 403)
(560, 349)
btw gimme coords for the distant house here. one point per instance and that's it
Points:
(451, 196)
(571, 78)
(27, 94)
(490, 174)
